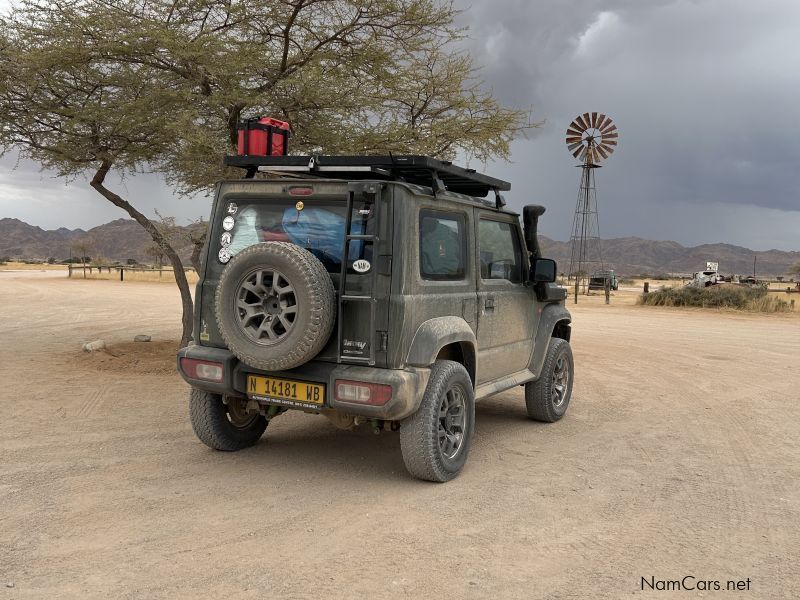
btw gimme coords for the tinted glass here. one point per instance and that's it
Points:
(499, 251)
(318, 227)
(442, 245)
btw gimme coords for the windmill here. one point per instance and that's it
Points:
(591, 137)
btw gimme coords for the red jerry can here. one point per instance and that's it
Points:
(263, 136)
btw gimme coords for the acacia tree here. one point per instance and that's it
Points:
(84, 246)
(91, 86)
(82, 116)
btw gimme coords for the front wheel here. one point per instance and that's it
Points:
(436, 439)
(548, 397)
(227, 427)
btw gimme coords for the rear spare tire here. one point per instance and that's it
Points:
(275, 306)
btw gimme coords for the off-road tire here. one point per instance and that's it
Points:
(540, 399)
(211, 423)
(315, 306)
(419, 433)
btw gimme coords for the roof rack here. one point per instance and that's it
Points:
(440, 175)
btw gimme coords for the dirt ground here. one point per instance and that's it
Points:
(679, 457)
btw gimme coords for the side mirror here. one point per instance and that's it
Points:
(500, 270)
(543, 270)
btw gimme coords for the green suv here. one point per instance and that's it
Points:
(384, 291)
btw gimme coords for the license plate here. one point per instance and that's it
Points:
(285, 391)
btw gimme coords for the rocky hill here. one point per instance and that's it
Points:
(115, 241)
(124, 238)
(632, 256)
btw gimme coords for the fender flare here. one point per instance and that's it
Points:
(552, 315)
(436, 333)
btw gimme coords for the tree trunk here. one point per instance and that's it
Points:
(174, 259)
(197, 248)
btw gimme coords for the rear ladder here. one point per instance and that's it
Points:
(367, 191)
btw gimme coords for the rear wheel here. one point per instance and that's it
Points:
(227, 427)
(436, 439)
(548, 397)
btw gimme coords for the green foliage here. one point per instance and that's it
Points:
(740, 298)
(161, 84)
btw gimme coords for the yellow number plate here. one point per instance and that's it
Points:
(285, 391)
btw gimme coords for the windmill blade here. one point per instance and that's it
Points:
(609, 129)
(607, 148)
(574, 133)
(572, 147)
(601, 121)
(577, 125)
(578, 151)
(609, 142)
(594, 120)
(580, 123)
(573, 139)
(610, 136)
(602, 152)
(587, 119)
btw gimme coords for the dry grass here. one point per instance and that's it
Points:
(20, 266)
(719, 296)
(163, 276)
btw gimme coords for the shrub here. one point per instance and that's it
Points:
(740, 298)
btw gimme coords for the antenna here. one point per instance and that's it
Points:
(591, 137)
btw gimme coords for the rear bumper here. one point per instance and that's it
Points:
(408, 385)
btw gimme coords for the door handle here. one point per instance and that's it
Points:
(489, 304)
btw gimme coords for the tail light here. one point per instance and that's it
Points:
(202, 369)
(361, 392)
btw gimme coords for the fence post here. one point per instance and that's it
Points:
(122, 273)
(791, 303)
(646, 287)
(69, 270)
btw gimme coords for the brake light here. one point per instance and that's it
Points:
(202, 369)
(301, 191)
(361, 392)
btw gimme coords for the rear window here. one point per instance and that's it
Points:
(442, 245)
(316, 225)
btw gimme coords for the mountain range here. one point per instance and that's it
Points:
(122, 239)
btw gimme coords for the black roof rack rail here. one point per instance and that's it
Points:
(419, 170)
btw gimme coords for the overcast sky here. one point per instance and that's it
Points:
(704, 93)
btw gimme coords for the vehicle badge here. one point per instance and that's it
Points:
(225, 239)
(227, 223)
(232, 208)
(224, 255)
(300, 205)
(361, 266)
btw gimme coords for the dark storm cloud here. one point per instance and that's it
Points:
(703, 93)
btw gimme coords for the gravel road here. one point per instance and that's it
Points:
(679, 457)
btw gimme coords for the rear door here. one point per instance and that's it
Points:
(506, 309)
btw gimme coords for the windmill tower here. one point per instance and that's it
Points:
(591, 138)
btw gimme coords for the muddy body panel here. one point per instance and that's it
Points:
(431, 277)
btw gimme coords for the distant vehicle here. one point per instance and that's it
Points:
(705, 278)
(598, 280)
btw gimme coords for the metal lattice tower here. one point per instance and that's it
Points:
(590, 138)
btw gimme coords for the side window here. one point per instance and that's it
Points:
(500, 253)
(442, 245)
